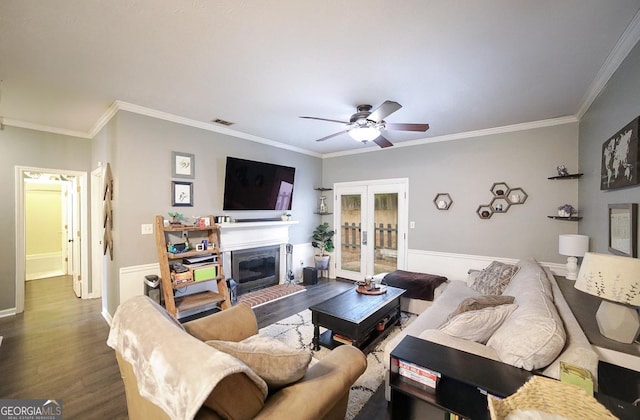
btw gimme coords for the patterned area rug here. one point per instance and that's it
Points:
(297, 331)
(269, 294)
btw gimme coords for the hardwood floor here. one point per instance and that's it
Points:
(57, 348)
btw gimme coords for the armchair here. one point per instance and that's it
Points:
(322, 393)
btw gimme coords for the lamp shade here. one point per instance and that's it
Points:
(573, 245)
(610, 277)
(366, 133)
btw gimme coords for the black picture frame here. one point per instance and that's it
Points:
(620, 159)
(181, 194)
(623, 233)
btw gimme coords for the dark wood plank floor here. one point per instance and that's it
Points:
(57, 348)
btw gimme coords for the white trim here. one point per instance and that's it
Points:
(465, 135)
(107, 317)
(7, 312)
(20, 228)
(104, 119)
(623, 47)
(45, 128)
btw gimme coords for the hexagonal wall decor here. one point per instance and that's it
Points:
(516, 196)
(499, 189)
(500, 204)
(484, 211)
(443, 201)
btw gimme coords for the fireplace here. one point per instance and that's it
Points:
(255, 268)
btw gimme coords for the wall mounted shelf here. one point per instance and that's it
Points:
(568, 219)
(570, 176)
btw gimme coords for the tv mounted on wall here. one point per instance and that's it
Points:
(251, 185)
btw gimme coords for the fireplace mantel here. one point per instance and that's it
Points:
(235, 236)
(246, 235)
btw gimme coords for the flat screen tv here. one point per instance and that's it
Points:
(251, 185)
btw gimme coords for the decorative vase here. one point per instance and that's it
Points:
(322, 262)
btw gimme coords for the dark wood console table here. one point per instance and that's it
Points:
(464, 383)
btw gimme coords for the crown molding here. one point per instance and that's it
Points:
(45, 128)
(467, 134)
(137, 109)
(623, 47)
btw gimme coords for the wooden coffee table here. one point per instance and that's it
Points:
(357, 317)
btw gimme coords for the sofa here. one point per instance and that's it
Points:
(530, 325)
(219, 367)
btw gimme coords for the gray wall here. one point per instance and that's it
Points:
(466, 169)
(139, 150)
(22, 147)
(617, 105)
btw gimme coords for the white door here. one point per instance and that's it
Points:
(371, 227)
(73, 235)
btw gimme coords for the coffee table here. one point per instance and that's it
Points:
(362, 319)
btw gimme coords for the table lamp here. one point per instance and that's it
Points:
(616, 280)
(573, 246)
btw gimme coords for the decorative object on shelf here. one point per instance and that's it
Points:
(322, 208)
(516, 196)
(622, 229)
(175, 217)
(286, 217)
(484, 211)
(616, 280)
(562, 170)
(181, 194)
(443, 201)
(573, 246)
(183, 165)
(499, 189)
(322, 239)
(503, 198)
(566, 210)
(620, 158)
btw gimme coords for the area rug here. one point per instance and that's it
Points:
(297, 331)
(270, 294)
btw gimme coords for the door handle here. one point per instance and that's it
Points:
(364, 237)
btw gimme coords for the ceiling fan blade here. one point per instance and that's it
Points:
(406, 126)
(332, 135)
(325, 119)
(387, 108)
(382, 142)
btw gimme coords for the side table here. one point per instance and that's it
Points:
(464, 383)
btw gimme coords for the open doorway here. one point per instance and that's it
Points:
(55, 201)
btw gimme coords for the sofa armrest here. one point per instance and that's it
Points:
(233, 324)
(323, 391)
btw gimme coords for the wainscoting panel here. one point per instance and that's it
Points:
(456, 266)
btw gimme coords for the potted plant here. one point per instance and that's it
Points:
(323, 241)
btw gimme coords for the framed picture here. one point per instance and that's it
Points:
(182, 194)
(619, 166)
(623, 229)
(183, 165)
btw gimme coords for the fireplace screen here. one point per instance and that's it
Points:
(255, 268)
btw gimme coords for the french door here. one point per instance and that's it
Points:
(370, 221)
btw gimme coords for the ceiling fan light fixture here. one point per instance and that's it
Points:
(364, 133)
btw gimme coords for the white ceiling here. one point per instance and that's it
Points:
(460, 66)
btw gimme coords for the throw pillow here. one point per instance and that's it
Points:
(275, 362)
(481, 302)
(478, 325)
(495, 278)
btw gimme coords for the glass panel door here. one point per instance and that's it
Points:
(371, 233)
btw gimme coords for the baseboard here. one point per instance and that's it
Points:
(107, 316)
(8, 312)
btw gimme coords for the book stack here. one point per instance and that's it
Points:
(425, 378)
(342, 339)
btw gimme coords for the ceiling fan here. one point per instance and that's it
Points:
(366, 125)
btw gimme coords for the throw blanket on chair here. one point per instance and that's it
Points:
(174, 370)
(417, 285)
